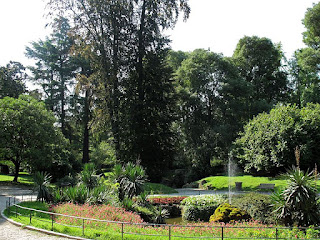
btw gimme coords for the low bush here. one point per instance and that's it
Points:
(198, 213)
(228, 213)
(259, 206)
(200, 208)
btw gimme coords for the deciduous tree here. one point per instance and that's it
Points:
(28, 136)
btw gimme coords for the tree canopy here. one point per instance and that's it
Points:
(259, 62)
(28, 136)
(269, 141)
(12, 80)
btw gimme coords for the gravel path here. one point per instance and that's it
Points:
(9, 231)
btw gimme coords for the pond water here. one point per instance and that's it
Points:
(176, 220)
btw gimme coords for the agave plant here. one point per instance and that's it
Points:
(41, 185)
(298, 203)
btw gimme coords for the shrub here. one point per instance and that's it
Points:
(228, 213)
(146, 213)
(198, 213)
(201, 207)
(257, 205)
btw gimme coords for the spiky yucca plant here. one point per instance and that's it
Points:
(41, 185)
(298, 203)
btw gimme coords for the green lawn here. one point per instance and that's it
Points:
(23, 179)
(249, 183)
(157, 188)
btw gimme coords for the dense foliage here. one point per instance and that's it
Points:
(268, 142)
(29, 137)
(120, 94)
(257, 205)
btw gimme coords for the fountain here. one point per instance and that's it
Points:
(231, 173)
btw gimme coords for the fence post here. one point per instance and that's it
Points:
(30, 216)
(169, 232)
(276, 233)
(52, 222)
(9, 206)
(14, 200)
(222, 233)
(83, 227)
(16, 211)
(122, 231)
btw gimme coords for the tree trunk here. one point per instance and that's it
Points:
(17, 169)
(85, 148)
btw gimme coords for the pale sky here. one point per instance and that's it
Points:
(214, 24)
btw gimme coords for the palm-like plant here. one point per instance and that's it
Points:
(130, 178)
(298, 203)
(160, 215)
(41, 185)
(88, 177)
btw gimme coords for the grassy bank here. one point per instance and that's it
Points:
(157, 188)
(23, 179)
(94, 230)
(249, 183)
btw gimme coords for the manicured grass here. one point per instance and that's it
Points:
(249, 183)
(157, 188)
(92, 230)
(23, 179)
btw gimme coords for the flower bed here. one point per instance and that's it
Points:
(101, 212)
(166, 200)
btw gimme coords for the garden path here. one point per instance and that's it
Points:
(9, 231)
